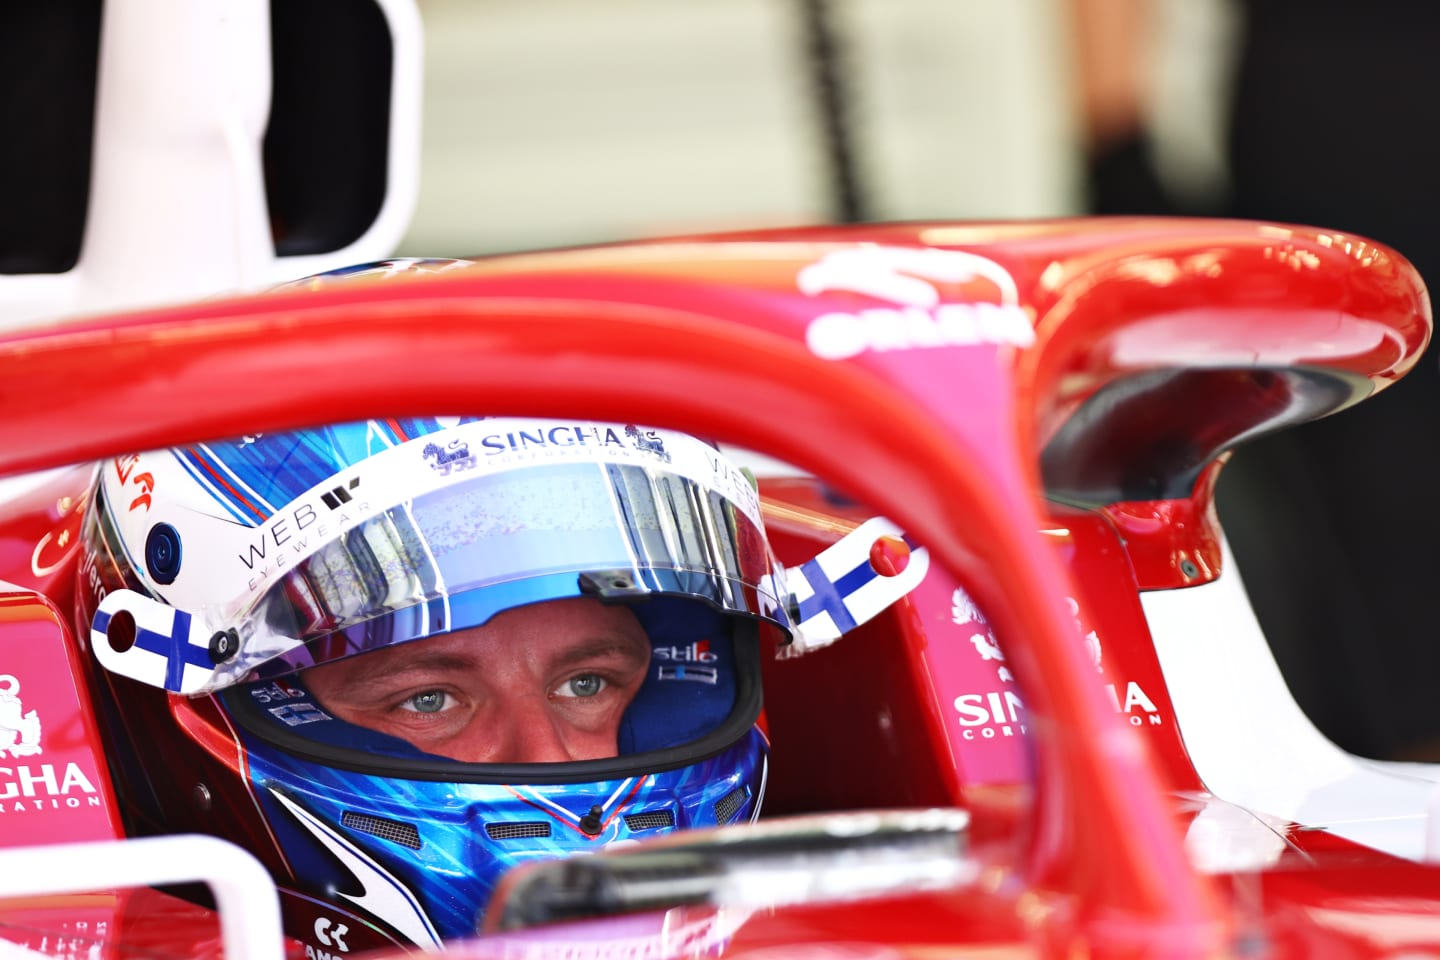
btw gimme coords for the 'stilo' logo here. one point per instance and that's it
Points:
(907, 277)
(19, 730)
(697, 652)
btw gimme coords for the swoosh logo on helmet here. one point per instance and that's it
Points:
(382, 895)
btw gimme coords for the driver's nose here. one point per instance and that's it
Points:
(537, 739)
(525, 731)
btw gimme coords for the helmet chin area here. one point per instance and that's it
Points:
(423, 857)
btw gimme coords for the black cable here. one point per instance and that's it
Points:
(825, 55)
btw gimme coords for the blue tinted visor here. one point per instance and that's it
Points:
(457, 555)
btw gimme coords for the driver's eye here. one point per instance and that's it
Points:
(585, 685)
(430, 701)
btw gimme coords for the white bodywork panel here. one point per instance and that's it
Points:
(177, 206)
(1251, 743)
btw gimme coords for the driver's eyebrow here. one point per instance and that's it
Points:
(440, 661)
(632, 650)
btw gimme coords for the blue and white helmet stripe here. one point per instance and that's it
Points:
(382, 895)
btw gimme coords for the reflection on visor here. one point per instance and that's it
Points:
(454, 557)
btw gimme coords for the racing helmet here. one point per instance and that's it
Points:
(222, 577)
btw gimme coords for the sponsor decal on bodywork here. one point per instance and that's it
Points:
(26, 787)
(999, 712)
(908, 278)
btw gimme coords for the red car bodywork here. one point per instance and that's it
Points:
(1157, 345)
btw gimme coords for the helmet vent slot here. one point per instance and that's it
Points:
(517, 829)
(650, 820)
(731, 803)
(405, 834)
